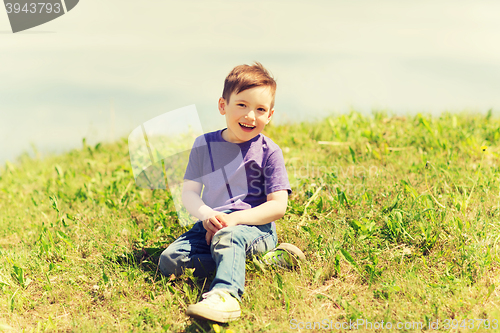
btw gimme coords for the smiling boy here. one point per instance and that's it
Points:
(245, 189)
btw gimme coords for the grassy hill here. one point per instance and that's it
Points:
(398, 218)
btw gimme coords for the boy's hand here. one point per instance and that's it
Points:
(212, 224)
(217, 222)
(226, 220)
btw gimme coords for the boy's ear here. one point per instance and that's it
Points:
(271, 112)
(222, 106)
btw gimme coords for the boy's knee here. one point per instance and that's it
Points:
(225, 233)
(169, 263)
(227, 236)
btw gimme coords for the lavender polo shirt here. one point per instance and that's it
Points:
(236, 176)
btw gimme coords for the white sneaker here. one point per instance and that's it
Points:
(218, 305)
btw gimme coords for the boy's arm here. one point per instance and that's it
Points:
(191, 199)
(191, 192)
(271, 210)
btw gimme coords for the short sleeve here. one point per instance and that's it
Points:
(194, 169)
(275, 175)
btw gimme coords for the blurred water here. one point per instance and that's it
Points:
(106, 67)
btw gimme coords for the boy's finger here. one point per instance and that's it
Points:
(208, 237)
(208, 225)
(213, 229)
(204, 223)
(215, 223)
(222, 219)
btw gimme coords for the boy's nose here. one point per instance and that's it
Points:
(250, 115)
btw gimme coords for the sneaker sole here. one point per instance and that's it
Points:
(202, 312)
(293, 250)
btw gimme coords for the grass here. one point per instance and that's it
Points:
(398, 218)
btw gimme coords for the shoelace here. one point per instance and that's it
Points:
(210, 297)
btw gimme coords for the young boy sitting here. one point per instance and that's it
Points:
(245, 189)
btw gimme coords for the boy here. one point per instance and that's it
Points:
(245, 190)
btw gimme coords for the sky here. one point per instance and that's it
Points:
(106, 67)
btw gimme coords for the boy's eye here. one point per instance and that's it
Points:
(242, 105)
(262, 109)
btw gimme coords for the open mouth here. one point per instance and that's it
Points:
(246, 127)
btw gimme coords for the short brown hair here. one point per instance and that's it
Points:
(245, 77)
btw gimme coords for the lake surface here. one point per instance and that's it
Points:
(106, 67)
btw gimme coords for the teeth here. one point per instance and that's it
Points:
(247, 126)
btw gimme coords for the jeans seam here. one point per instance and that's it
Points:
(257, 240)
(233, 282)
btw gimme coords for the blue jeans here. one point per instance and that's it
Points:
(226, 254)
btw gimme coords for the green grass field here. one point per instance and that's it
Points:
(398, 218)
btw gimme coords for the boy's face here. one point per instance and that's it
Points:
(247, 113)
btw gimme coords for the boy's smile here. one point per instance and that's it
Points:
(247, 113)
